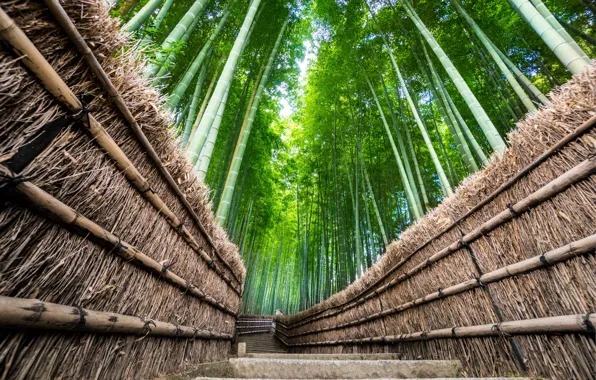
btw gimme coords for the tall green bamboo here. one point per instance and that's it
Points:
(161, 15)
(487, 126)
(142, 15)
(519, 91)
(176, 35)
(458, 120)
(196, 64)
(433, 154)
(400, 142)
(414, 208)
(171, 59)
(192, 111)
(224, 205)
(204, 103)
(522, 78)
(571, 59)
(202, 165)
(552, 20)
(227, 74)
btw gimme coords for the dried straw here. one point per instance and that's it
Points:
(45, 261)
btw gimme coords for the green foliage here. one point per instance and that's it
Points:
(302, 182)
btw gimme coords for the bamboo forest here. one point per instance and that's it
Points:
(323, 129)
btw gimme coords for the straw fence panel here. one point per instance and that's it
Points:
(46, 261)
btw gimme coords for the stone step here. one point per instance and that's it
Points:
(379, 356)
(247, 368)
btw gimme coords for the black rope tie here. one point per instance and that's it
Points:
(166, 267)
(441, 292)
(211, 264)
(148, 189)
(479, 282)
(146, 325)
(462, 243)
(453, 331)
(9, 182)
(510, 207)
(497, 328)
(82, 315)
(179, 227)
(427, 263)
(589, 325)
(544, 261)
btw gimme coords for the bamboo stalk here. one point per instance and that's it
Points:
(567, 252)
(32, 313)
(57, 87)
(564, 324)
(49, 206)
(584, 169)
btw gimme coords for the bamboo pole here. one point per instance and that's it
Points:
(49, 206)
(254, 332)
(564, 324)
(583, 128)
(57, 87)
(32, 313)
(567, 252)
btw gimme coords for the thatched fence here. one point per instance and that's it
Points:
(501, 276)
(112, 266)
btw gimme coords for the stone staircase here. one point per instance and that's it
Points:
(327, 366)
(259, 354)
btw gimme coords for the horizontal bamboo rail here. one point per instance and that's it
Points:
(31, 313)
(556, 186)
(562, 254)
(564, 324)
(55, 85)
(254, 327)
(240, 320)
(51, 207)
(583, 128)
(81, 45)
(255, 332)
